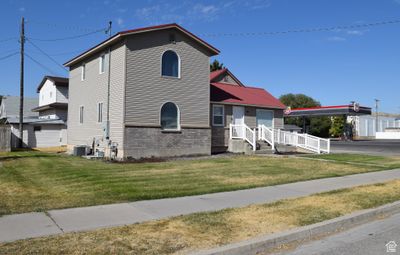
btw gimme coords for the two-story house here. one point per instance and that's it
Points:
(147, 93)
(45, 119)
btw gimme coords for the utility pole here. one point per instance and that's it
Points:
(21, 85)
(376, 114)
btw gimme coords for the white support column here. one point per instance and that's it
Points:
(230, 131)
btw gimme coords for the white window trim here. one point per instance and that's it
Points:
(83, 114)
(83, 71)
(273, 115)
(223, 115)
(179, 65)
(102, 112)
(178, 128)
(102, 62)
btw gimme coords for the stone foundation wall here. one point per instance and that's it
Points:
(147, 142)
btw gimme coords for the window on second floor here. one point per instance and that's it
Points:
(51, 94)
(83, 72)
(100, 112)
(81, 111)
(102, 64)
(170, 64)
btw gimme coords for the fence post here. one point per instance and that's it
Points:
(254, 140)
(230, 131)
(329, 145)
(273, 139)
(319, 146)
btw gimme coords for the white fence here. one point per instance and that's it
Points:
(305, 141)
(277, 136)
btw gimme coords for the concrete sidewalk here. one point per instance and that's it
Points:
(27, 225)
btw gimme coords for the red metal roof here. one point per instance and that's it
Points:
(217, 73)
(118, 35)
(233, 94)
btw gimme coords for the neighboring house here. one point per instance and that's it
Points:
(45, 120)
(234, 103)
(9, 114)
(156, 100)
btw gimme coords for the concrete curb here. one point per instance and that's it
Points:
(306, 233)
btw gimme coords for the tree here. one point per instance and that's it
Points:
(337, 127)
(318, 126)
(215, 65)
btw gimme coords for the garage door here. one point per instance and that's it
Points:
(47, 135)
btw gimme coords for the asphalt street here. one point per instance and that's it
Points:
(367, 239)
(373, 147)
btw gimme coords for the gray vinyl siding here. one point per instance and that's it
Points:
(62, 94)
(147, 91)
(220, 135)
(226, 78)
(117, 88)
(278, 119)
(90, 92)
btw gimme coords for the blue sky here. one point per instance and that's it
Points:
(333, 67)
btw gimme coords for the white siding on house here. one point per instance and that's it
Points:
(89, 93)
(48, 93)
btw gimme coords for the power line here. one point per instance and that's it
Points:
(307, 30)
(40, 64)
(47, 55)
(9, 55)
(69, 37)
(60, 54)
(54, 25)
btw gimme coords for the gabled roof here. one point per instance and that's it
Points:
(215, 74)
(237, 95)
(118, 36)
(58, 81)
(50, 106)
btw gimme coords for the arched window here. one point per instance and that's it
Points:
(170, 64)
(169, 117)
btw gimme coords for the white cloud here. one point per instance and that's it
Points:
(336, 39)
(120, 22)
(355, 32)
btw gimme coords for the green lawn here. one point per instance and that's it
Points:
(37, 181)
(388, 162)
(199, 231)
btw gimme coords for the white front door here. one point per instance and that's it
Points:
(238, 115)
(238, 119)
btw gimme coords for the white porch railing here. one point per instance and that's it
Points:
(242, 131)
(305, 141)
(267, 134)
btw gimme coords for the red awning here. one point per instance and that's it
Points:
(233, 94)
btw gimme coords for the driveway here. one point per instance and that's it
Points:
(373, 147)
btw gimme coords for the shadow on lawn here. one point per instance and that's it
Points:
(27, 155)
